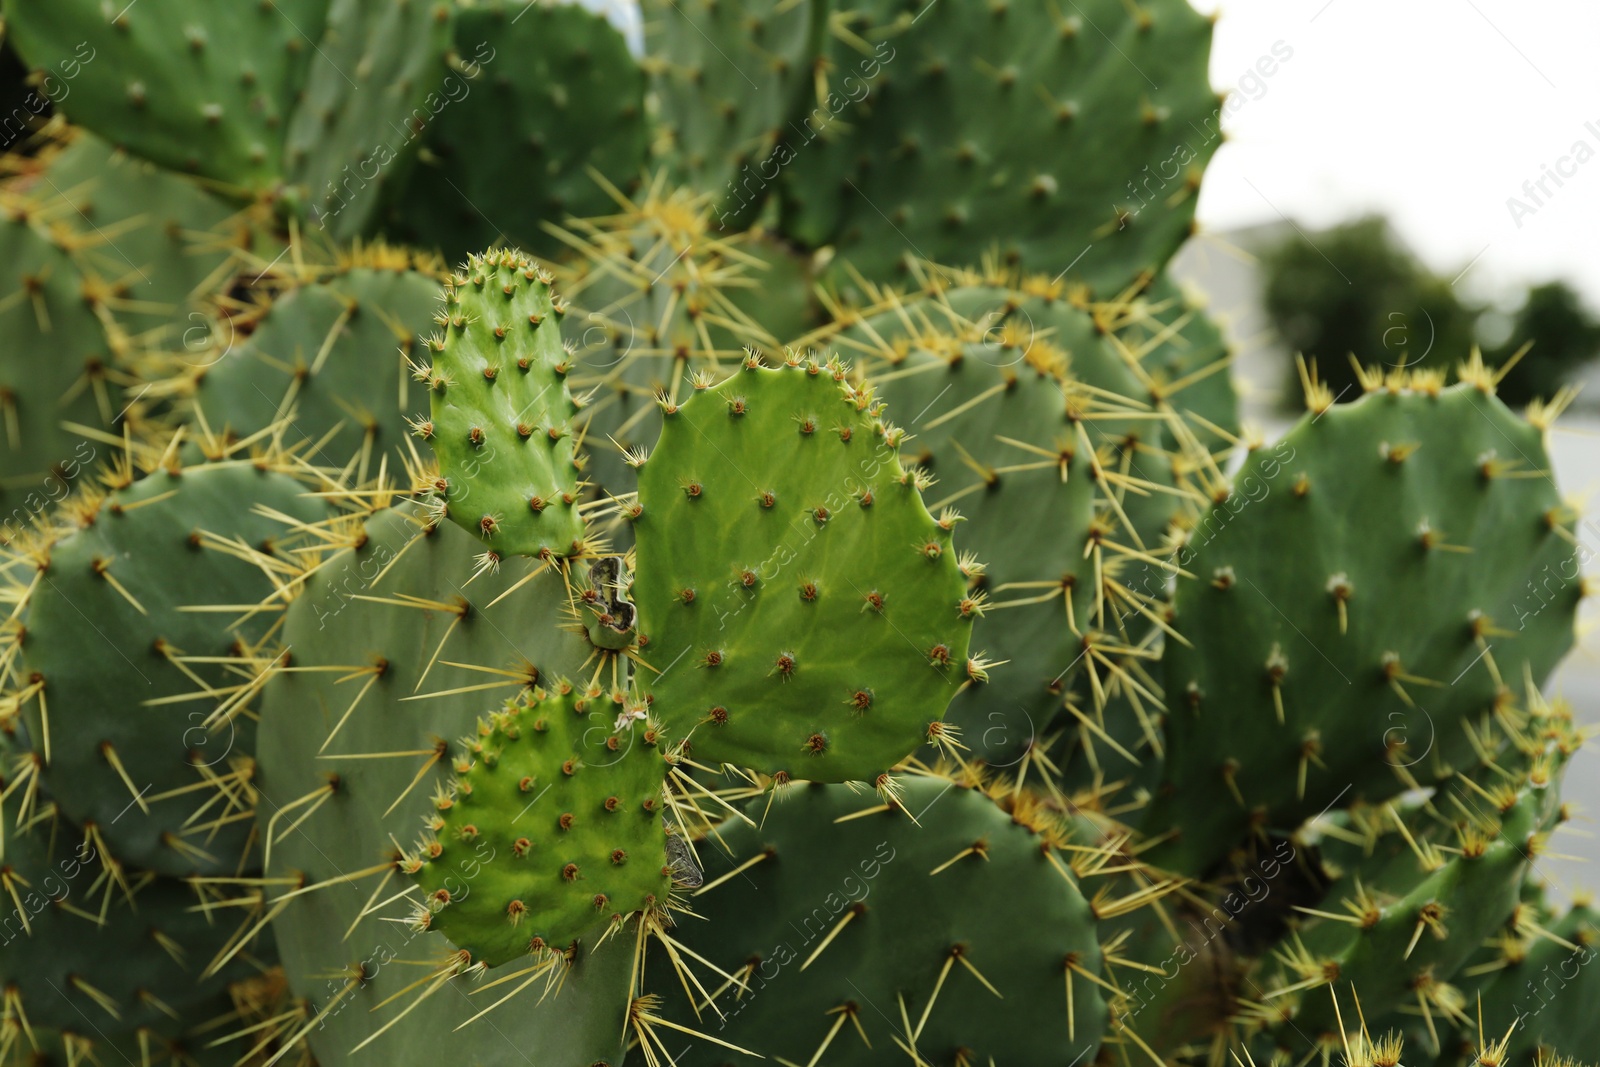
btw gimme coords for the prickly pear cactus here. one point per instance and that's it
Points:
(723, 714)
(44, 311)
(559, 811)
(372, 84)
(543, 98)
(730, 78)
(1295, 655)
(329, 362)
(399, 649)
(800, 612)
(947, 127)
(148, 733)
(198, 90)
(809, 912)
(1401, 927)
(501, 420)
(154, 244)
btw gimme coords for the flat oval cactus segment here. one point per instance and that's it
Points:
(729, 79)
(836, 903)
(1391, 570)
(550, 830)
(136, 690)
(799, 609)
(544, 97)
(502, 415)
(376, 78)
(950, 129)
(198, 88)
(333, 354)
(404, 645)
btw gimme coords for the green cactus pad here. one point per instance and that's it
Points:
(502, 416)
(1410, 917)
(972, 109)
(557, 814)
(199, 89)
(799, 609)
(1011, 397)
(377, 77)
(412, 656)
(952, 937)
(657, 298)
(56, 367)
(86, 949)
(730, 79)
(334, 355)
(1549, 992)
(1185, 358)
(545, 96)
(154, 243)
(1396, 567)
(116, 660)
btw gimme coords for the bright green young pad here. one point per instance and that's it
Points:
(199, 88)
(962, 926)
(799, 609)
(108, 634)
(1393, 568)
(545, 96)
(364, 658)
(334, 354)
(730, 78)
(1072, 136)
(502, 415)
(550, 831)
(376, 78)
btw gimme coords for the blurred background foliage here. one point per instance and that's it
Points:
(1356, 288)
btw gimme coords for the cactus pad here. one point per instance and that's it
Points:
(799, 609)
(56, 366)
(199, 89)
(971, 112)
(502, 416)
(962, 931)
(557, 815)
(1354, 652)
(91, 944)
(392, 618)
(548, 98)
(156, 244)
(122, 675)
(730, 78)
(331, 354)
(373, 82)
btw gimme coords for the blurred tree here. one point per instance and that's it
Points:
(1354, 289)
(1564, 336)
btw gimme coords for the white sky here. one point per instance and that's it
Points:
(1431, 111)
